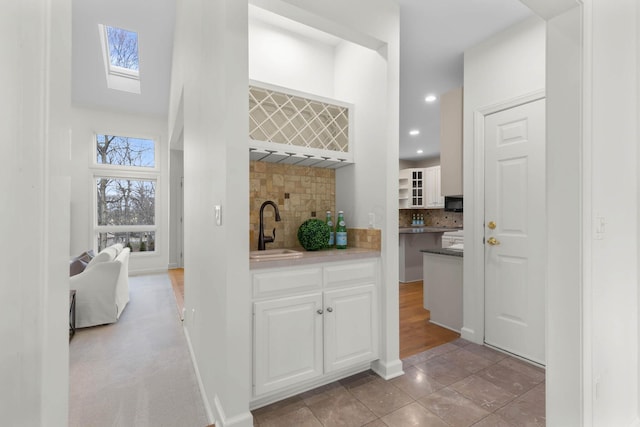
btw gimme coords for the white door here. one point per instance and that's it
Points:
(351, 327)
(287, 341)
(515, 230)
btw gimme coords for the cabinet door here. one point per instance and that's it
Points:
(351, 326)
(417, 199)
(287, 341)
(434, 199)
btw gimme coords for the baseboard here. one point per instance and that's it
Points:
(210, 416)
(172, 265)
(388, 370)
(242, 420)
(470, 335)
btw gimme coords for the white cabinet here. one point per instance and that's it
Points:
(309, 322)
(404, 188)
(350, 327)
(412, 188)
(451, 142)
(433, 195)
(287, 341)
(419, 188)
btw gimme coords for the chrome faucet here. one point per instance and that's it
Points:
(262, 239)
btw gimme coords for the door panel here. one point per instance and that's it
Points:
(515, 230)
(287, 341)
(351, 326)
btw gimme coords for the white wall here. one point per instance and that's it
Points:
(507, 65)
(611, 193)
(86, 123)
(362, 78)
(36, 51)
(287, 59)
(210, 68)
(565, 345)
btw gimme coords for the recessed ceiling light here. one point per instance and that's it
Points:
(419, 151)
(430, 98)
(414, 132)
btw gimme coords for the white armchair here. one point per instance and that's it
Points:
(102, 289)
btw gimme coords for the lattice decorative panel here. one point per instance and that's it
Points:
(294, 120)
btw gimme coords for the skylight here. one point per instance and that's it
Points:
(121, 60)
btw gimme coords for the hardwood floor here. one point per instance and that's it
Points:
(416, 333)
(177, 283)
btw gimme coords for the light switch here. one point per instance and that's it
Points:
(599, 228)
(218, 211)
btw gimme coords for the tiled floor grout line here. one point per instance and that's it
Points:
(357, 385)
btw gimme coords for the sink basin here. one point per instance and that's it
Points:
(274, 254)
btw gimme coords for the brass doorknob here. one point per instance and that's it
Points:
(491, 225)
(493, 241)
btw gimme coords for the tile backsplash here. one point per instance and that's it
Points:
(432, 217)
(299, 191)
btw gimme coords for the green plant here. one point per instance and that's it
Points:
(313, 234)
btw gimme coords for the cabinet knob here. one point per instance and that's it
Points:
(329, 309)
(320, 311)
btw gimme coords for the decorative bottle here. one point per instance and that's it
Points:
(331, 234)
(341, 232)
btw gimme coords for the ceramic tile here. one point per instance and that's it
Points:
(486, 352)
(461, 342)
(360, 379)
(455, 409)
(376, 423)
(381, 397)
(413, 415)
(342, 410)
(442, 371)
(535, 372)
(483, 393)
(492, 420)
(526, 410)
(278, 409)
(415, 383)
(301, 417)
(321, 393)
(467, 360)
(508, 379)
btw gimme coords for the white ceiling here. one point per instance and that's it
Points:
(433, 36)
(153, 20)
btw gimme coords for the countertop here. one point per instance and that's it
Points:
(314, 257)
(443, 251)
(427, 229)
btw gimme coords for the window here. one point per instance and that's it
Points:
(125, 151)
(121, 60)
(125, 180)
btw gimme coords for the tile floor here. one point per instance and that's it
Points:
(456, 384)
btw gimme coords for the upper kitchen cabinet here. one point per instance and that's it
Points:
(419, 188)
(451, 142)
(433, 195)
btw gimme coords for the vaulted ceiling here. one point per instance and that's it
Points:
(433, 36)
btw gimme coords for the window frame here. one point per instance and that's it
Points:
(144, 173)
(119, 78)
